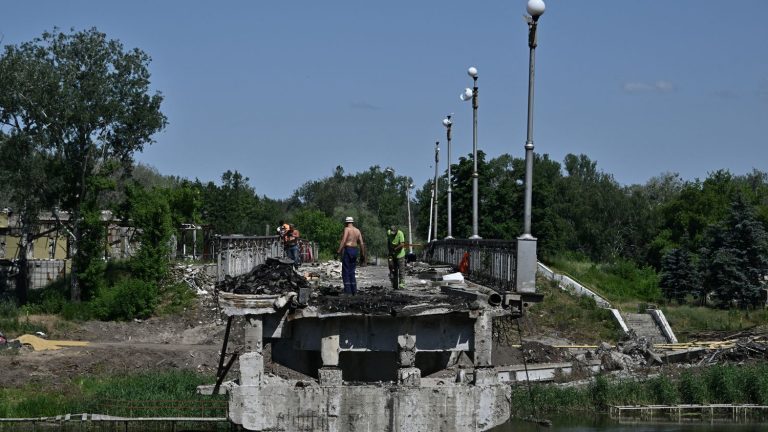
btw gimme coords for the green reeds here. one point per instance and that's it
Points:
(158, 394)
(721, 384)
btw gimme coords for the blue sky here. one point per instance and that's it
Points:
(284, 91)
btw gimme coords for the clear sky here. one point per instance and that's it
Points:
(284, 91)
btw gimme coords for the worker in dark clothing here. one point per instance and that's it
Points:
(350, 247)
(396, 259)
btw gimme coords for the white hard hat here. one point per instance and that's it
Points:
(349, 219)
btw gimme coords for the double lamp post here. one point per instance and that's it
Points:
(526, 243)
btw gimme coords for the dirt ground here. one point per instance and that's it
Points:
(188, 341)
(191, 341)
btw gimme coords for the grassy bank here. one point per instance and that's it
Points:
(745, 384)
(573, 317)
(619, 281)
(631, 289)
(693, 319)
(168, 394)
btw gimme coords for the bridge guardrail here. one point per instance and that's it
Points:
(491, 262)
(237, 254)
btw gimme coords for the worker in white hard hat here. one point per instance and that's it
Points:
(350, 247)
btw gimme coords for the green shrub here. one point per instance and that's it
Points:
(82, 311)
(126, 300)
(175, 298)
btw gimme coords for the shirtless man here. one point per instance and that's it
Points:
(351, 240)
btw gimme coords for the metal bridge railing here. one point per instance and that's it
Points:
(238, 255)
(491, 262)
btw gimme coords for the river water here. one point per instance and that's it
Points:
(578, 423)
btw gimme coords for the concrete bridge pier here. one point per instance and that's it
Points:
(330, 373)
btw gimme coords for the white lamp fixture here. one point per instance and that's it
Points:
(536, 8)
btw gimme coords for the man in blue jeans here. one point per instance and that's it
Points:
(350, 247)
(291, 245)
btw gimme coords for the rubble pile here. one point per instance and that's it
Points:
(331, 269)
(639, 348)
(738, 351)
(382, 301)
(536, 352)
(275, 276)
(195, 277)
(632, 353)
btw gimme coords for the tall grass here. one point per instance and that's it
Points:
(724, 384)
(686, 319)
(13, 323)
(577, 317)
(617, 281)
(169, 394)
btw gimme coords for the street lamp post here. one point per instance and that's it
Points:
(408, 187)
(436, 190)
(471, 94)
(447, 123)
(526, 243)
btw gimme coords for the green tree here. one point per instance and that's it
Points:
(232, 207)
(679, 276)
(24, 172)
(317, 226)
(148, 210)
(735, 256)
(83, 104)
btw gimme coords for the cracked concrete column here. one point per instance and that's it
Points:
(407, 372)
(483, 340)
(252, 359)
(484, 374)
(330, 374)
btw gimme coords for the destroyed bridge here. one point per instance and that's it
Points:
(380, 360)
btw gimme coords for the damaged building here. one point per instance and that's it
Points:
(48, 251)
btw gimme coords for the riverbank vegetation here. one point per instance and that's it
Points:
(723, 384)
(158, 394)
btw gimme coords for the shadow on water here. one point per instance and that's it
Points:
(585, 423)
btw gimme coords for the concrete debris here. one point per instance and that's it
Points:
(630, 354)
(639, 347)
(275, 276)
(331, 269)
(195, 277)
